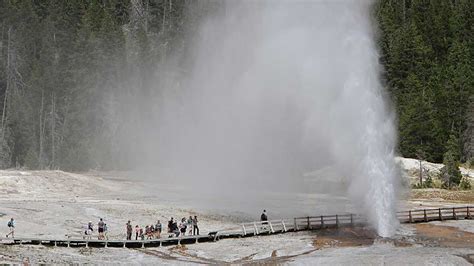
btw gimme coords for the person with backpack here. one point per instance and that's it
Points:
(152, 231)
(175, 229)
(182, 226)
(147, 232)
(129, 230)
(11, 226)
(170, 225)
(264, 217)
(90, 226)
(88, 229)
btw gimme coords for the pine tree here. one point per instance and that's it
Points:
(450, 173)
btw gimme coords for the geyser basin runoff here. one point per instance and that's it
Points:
(279, 89)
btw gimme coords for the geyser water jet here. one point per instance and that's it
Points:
(279, 89)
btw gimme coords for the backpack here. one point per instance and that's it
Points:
(10, 224)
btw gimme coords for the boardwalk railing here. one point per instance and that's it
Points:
(259, 228)
(439, 214)
(326, 221)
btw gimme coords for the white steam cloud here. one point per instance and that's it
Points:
(280, 89)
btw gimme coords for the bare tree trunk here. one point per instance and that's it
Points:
(6, 89)
(41, 137)
(146, 9)
(169, 14)
(421, 174)
(164, 19)
(404, 12)
(63, 126)
(53, 126)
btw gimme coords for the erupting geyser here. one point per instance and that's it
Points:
(279, 89)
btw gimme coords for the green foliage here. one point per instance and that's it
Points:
(427, 51)
(62, 64)
(465, 183)
(470, 163)
(450, 173)
(427, 183)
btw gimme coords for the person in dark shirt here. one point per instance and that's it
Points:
(264, 217)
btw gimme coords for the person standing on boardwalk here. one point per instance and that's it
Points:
(170, 225)
(100, 227)
(129, 230)
(11, 226)
(195, 226)
(264, 217)
(147, 232)
(106, 231)
(158, 229)
(182, 226)
(190, 225)
(137, 232)
(90, 229)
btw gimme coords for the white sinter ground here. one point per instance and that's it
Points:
(53, 204)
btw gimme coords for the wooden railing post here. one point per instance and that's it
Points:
(322, 221)
(410, 218)
(468, 213)
(271, 227)
(284, 226)
(337, 221)
(454, 214)
(296, 225)
(256, 229)
(440, 215)
(243, 230)
(309, 225)
(352, 220)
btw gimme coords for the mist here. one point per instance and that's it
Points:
(282, 96)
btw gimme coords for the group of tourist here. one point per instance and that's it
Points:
(149, 232)
(186, 226)
(101, 229)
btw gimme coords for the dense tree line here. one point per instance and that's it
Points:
(427, 49)
(65, 67)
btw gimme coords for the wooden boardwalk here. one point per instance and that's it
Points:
(256, 228)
